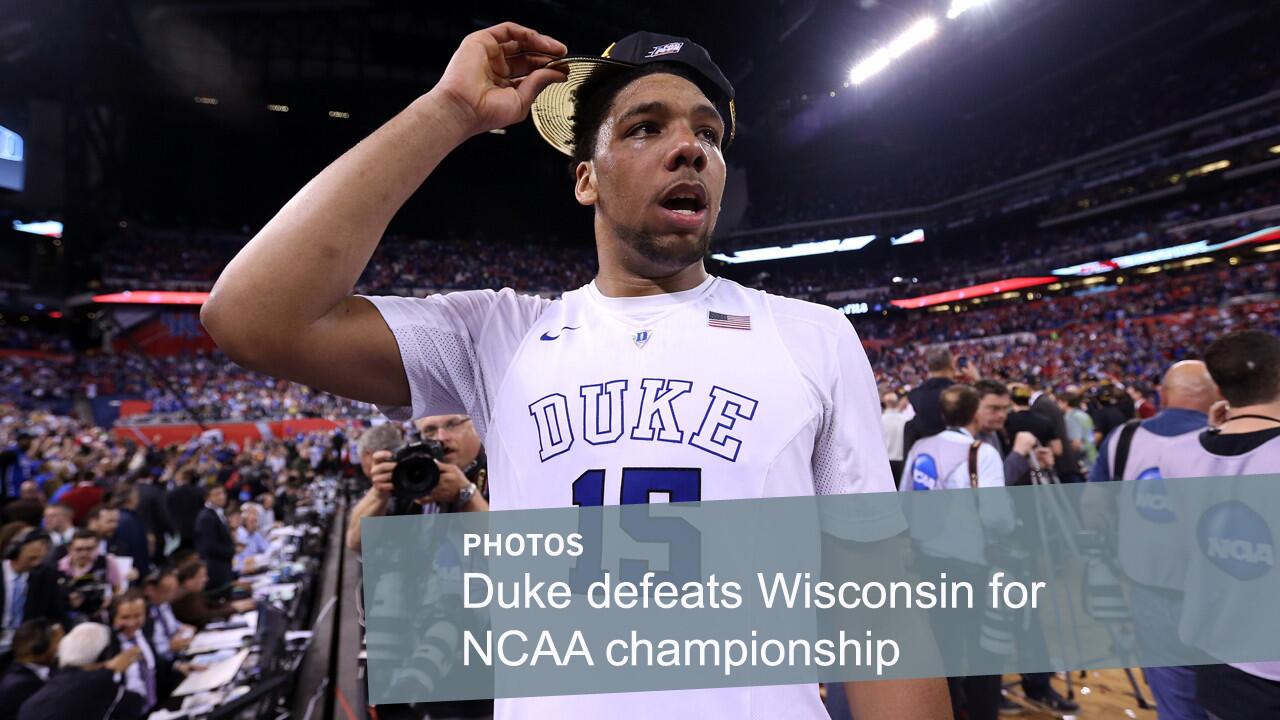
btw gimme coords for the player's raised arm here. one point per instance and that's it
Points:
(283, 305)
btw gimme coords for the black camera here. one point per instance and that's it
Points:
(416, 473)
(92, 590)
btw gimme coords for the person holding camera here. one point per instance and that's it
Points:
(89, 578)
(445, 472)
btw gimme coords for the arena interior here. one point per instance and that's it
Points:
(1063, 196)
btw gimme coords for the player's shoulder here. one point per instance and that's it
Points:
(788, 309)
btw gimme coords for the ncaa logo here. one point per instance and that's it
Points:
(1150, 497)
(665, 49)
(1236, 540)
(924, 473)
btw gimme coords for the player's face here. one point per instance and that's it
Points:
(657, 176)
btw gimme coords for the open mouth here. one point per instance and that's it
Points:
(684, 206)
(685, 198)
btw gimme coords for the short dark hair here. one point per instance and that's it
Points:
(157, 574)
(594, 98)
(190, 570)
(96, 511)
(30, 636)
(210, 489)
(83, 534)
(128, 596)
(987, 386)
(183, 556)
(959, 403)
(1246, 366)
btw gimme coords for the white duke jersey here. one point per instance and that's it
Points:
(715, 393)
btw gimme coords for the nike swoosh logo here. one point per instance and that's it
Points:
(546, 336)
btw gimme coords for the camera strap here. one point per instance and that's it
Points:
(1123, 442)
(973, 463)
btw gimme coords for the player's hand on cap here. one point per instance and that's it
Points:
(381, 473)
(452, 480)
(496, 73)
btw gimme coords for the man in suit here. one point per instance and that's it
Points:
(153, 677)
(184, 503)
(84, 687)
(167, 634)
(35, 647)
(154, 515)
(30, 589)
(213, 539)
(131, 535)
(192, 607)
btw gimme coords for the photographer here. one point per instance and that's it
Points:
(457, 454)
(89, 579)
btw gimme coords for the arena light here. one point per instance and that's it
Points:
(879, 60)
(1269, 248)
(1209, 168)
(1175, 252)
(202, 100)
(47, 228)
(341, 115)
(818, 247)
(960, 7)
(1274, 149)
(911, 238)
(919, 31)
(1008, 287)
(278, 108)
(152, 297)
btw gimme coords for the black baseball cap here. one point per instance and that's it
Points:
(554, 108)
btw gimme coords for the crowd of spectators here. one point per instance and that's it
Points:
(997, 254)
(405, 266)
(117, 553)
(181, 388)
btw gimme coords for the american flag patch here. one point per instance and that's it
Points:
(734, 322)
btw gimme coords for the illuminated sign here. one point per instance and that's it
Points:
(153, 297)
(856, 308)
(817, 247)
(47, 228)
(1165, 254)
(973, 291)
(915, 236)
(11, 145)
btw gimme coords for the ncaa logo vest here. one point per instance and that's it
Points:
(1236, 540)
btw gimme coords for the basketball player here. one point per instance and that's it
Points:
(653, 379)
(1246, 367)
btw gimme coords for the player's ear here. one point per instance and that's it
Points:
(584, 186)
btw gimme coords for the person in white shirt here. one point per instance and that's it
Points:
(955, 459)
(893, 423)
(698, 387)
